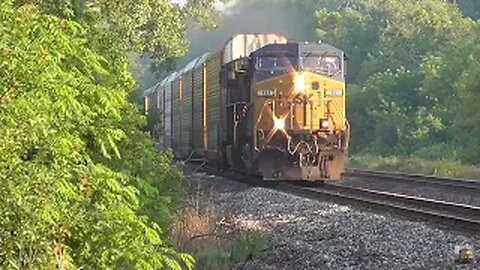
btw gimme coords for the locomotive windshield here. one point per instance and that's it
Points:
(272, 66)
(322, 64)
(267, 67)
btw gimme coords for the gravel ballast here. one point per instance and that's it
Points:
(310, 234)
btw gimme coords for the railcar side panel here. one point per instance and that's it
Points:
(153, 98)
(148, 102)
(159, 90)
(198, 117)
(177, 115)
(199, 109)
(159, 98)
(186, 138)
(214, 107)
(168, 112)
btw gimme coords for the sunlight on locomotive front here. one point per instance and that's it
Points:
(301, 130)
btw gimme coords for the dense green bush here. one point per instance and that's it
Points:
(80, 184)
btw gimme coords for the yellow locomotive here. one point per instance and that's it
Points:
(260, 105)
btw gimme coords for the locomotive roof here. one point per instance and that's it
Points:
(297, 49)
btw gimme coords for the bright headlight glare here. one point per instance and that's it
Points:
(300, 83)
(324, 123)
(279, 124)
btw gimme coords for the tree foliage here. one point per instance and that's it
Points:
(389, 34)
(411, 73)
(154, 27)
(461, 67)
(81, 186)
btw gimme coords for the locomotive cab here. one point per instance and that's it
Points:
(291, 123)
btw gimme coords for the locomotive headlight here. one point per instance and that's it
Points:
(278, 123)
(324, 123)
(300, 83)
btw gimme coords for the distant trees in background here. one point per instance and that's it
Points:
(413, 74)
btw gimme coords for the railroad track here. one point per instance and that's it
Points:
(454, 215)
(465, 184)
(465, 217)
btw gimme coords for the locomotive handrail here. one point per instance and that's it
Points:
(255, 139)
(347, 134)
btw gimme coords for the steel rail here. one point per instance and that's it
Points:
(416, 178)
(460, 215)
(455, 215)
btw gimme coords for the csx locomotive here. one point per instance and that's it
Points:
(261, 105)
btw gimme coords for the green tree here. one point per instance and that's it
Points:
(389, 34)
(80, 184)
(400, 104)
(463, 66)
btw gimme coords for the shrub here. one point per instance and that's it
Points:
(195, 231)
(247, 246)
(80, 185)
